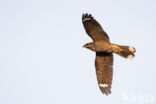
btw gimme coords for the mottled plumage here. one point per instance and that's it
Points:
(104, 52)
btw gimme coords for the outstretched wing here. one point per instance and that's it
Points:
(93, 28)
(104, 71)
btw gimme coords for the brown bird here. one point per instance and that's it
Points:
(104, 52)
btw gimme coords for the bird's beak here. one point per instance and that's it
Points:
(84, 46)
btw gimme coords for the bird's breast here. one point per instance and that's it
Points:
(102, 47)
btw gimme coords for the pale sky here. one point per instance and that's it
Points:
(42, 60)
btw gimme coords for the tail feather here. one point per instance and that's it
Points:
(126, 51)
(125, 54)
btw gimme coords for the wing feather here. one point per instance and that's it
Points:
(104, 71)
(93, 28)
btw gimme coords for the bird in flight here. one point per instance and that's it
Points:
(104, 52)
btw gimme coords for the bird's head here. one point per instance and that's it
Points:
(89, 46)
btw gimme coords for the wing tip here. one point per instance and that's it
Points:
(105, 89)
(86, 17)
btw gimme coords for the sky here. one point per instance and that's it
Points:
(42, 60)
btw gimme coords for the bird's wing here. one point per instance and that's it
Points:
(93, 28)
(104, 71)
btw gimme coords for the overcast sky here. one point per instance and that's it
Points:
(42, 60)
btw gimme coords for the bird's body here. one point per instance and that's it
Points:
(104, 47)
(104, 52)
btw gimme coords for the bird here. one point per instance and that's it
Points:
(104, 50)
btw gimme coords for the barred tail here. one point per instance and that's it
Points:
(125, 51)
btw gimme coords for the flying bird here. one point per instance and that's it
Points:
(104, 52)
